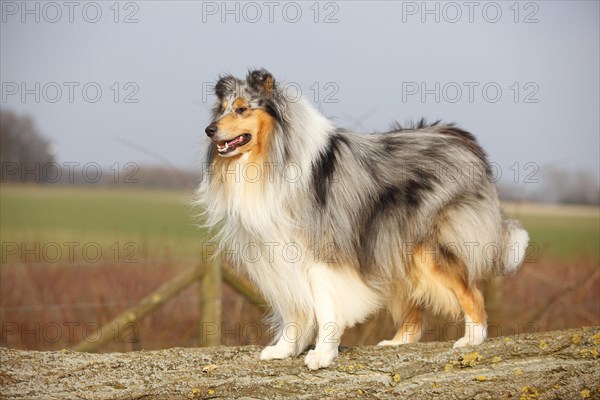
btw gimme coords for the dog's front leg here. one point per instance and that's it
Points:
(284, 348)
(330, 325)
(328, 341)
(294, 337)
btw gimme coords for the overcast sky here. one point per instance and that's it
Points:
(523, 78)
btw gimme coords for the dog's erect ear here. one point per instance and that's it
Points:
(225, 86)
(262, 81)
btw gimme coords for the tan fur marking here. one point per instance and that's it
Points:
(267, 86)
(471, 301)
(452, 275)
(256, 122)
(264, 128)
(240, 102)
(410, 330)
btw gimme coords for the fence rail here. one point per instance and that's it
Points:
(209, 278)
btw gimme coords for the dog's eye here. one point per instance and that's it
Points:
(240, 110)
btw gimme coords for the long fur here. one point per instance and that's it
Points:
(333, 225)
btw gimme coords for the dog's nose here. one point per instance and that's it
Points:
(211, 129)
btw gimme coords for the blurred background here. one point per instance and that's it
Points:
(104, 105)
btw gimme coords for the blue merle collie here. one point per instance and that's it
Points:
(333, 225)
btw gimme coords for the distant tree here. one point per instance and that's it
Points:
(556, 185)
(581, 188)
(24, 153)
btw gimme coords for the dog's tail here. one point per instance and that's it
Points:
(515, 241)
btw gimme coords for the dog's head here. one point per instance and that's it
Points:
(245, 114)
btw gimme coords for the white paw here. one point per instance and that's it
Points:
(468, 341)
(405, 340)
(389, 343)
(316, 359)
(276, 352)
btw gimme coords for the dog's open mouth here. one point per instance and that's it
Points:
(227, 146)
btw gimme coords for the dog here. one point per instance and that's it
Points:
(333, 225)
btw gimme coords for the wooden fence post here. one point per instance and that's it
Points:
(210, 305)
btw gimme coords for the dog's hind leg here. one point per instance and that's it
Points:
(411, 320)
(471, 302)
(443, 283)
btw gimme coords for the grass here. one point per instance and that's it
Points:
(563, 236)
(561, 233)
(101, 210)
(159, 223)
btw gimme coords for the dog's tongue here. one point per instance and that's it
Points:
(230, 145)
(235, 141)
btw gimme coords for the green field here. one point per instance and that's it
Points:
(561, 232)
(563, 236)
(160, 223)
